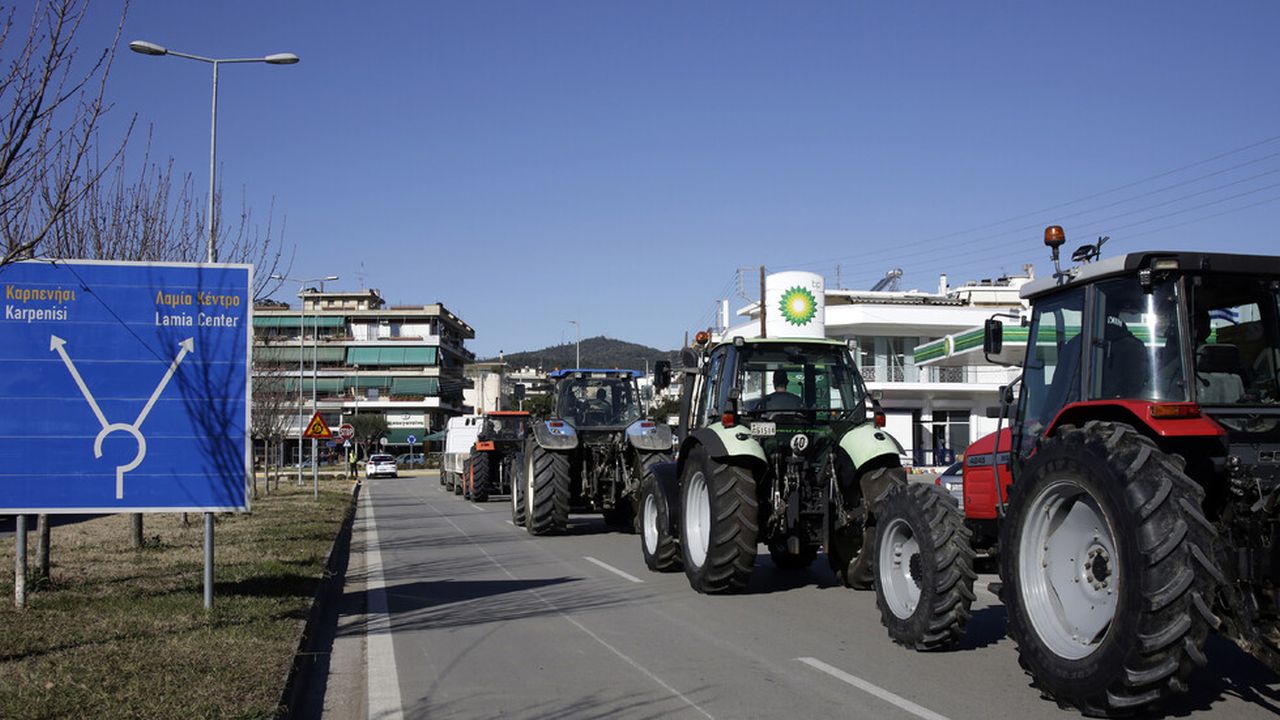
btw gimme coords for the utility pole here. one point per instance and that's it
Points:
(763, 334)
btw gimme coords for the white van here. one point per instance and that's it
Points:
(460, 437)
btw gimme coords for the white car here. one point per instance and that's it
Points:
(952, 480)
(380, 464)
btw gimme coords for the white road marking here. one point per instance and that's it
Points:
(612, 569)
(477, 507)
(554, 608)
(511, 523)
(381, 677)
(872, 689)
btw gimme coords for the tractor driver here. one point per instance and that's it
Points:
(780, 399)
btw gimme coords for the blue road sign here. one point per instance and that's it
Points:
(412, 439)
(124, 387)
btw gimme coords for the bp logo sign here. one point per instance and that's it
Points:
(798, 306)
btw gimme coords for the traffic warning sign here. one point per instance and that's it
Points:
(317, 429)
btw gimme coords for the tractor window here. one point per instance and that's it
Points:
(708, 412)
(1136, 351)
(785, 377)
(598, 401)
(1051, 377)
(1236, 325)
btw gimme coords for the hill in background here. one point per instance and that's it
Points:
(597, 352)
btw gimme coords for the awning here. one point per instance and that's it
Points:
(292, 321)
(422, 386)
(289, 354)
(391, 356)
(437, 436)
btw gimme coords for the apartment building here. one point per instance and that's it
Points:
(359, 355)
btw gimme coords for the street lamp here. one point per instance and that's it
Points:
(577, 345)
(148, 48)
(302, 326)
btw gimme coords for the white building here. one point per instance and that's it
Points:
(936, 401)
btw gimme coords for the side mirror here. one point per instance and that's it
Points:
(662, 374)
(689, 359)
(992, 337)
(518, 391)
(1006, 394)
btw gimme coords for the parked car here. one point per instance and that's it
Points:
(410, 460)
(952, 481)
(381, 464)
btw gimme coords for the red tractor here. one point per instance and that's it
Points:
(1143, 450)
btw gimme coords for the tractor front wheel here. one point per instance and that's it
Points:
(1107, 569)
(661, 551)
(924, 567)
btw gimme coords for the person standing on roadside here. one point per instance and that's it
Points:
(351, 464)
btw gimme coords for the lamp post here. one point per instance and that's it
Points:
(148, 48)
(578, 344)
(211, 251)
(302, 326)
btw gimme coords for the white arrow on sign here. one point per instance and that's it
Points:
(57, 344)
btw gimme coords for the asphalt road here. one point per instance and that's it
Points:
(451, 612)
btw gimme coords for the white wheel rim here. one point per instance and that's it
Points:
(900, 568)
(1067, 568)
(515, 501)
(697, 519)
(528, 495)
(651, 524)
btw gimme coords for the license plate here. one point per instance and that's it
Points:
(764, 429)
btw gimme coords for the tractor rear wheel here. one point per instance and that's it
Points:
(924, 567)
(718, 521)
(661, 551)
(547, 491)
(1107, 569)
(480, 477)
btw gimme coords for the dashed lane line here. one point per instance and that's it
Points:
(873, 689)
(612, 569)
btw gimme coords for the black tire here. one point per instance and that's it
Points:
(784, 560)
(480, 471)
(923, 560)
(1160, 566)
(461, 478)
(721, 500)
(853, 567)
(517, 490)
(547, 492)
(661, 551)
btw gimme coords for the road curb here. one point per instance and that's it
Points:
(307, 655)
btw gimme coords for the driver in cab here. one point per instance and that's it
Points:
(780, 399)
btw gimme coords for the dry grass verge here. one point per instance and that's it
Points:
(123, 632)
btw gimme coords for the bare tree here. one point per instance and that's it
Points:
(151, 216)
(274, 409)
(51, 108)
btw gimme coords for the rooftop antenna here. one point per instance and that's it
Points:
(362, 276)
(742, 288)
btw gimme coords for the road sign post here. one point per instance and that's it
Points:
(144, 385)
(317, 429)
(411, 440)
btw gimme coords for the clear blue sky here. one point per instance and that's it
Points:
(528, 163)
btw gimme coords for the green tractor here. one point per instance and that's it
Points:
(780, 445)
(589, 455)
